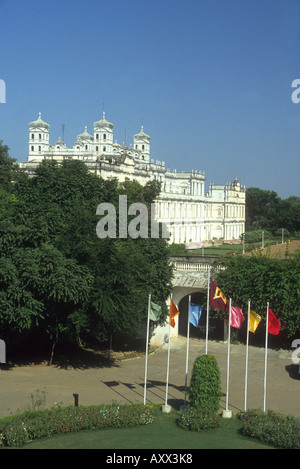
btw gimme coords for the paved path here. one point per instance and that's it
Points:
(123, 382)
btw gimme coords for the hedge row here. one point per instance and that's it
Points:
(278, 430)
(20, 429)
(282, 431)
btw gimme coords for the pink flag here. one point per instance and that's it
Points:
(237, 317)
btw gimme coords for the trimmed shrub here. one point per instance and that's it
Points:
(20, 429)
(282, 431)
(205, 385)
(193, 419)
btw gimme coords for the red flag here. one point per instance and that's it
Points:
(273, 324)
(216, 298)
(173, 313)
(237, 317)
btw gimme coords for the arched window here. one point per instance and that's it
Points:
(104, 136)
(97, 136)
(143, 147)
(97, 148)
(86, 147)
(40, 148)
(40, 136)
(104, 148)
(32, 148)
(32, 136)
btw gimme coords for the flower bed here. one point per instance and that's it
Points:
(20, 429)
(282, 431)
(193, 418)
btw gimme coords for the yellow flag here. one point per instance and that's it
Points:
(254, 320)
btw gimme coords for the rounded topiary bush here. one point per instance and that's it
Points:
(205, 386)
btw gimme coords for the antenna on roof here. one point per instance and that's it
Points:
(63, 132)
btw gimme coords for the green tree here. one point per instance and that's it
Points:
(265, 210)
(8, 167)
(263, 280)
(40, 289)
(53, 221)
(259, 204)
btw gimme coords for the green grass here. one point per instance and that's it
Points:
(163, 433)
(222, 250)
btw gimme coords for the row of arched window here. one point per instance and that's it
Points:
(58, 148)
(40, 136)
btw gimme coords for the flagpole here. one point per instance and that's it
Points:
(246, 367)
(207, 311)
(266, 357)
(168, 362)
(228, 413)
(167, 379)
(147, 340)
(187, 350)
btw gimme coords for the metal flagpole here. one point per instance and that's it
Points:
(246, 367)
(168, 363)
(187, 350)
(147, 340)
(207, 311)
(228, 359)
(167, 379)
(266, 358)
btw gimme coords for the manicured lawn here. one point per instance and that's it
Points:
(163, 433)
(222, 250)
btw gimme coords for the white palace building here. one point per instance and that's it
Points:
(191, 214)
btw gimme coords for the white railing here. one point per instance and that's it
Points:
(192, 266)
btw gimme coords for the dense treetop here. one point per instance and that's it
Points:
(56, 275)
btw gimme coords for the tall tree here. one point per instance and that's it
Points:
(265, 210)
(8, 167)
(260, 279)
(53, 223)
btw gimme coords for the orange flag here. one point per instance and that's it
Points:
(173, 313)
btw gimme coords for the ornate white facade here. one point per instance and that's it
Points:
(191, 214)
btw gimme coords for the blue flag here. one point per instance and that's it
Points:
(195, 314)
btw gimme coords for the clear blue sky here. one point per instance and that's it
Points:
(211, 80)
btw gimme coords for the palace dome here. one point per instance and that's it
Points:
(141, 134)
(103, 123)
(39, 123)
